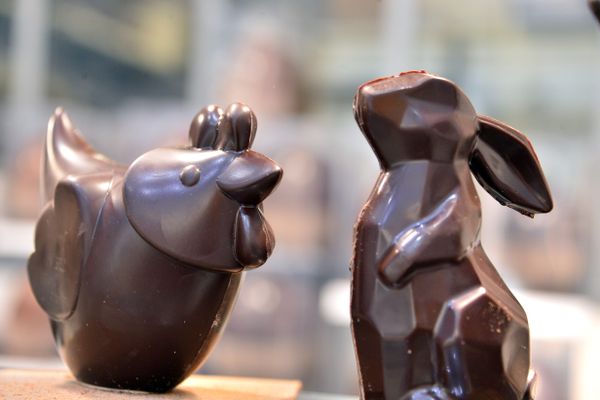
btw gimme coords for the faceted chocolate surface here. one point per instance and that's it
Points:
(138, 267)
(431, 317)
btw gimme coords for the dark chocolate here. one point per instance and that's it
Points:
(431, 317)
(138, 267)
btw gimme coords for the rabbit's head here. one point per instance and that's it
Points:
(202, 204)
(415, 116)
(419, 116)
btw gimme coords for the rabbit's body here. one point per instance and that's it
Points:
(431, 317)
(138, 268)
(410, 346)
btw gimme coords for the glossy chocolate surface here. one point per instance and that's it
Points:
(431, 317)
(138, 267)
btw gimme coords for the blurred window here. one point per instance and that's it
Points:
(5, 27)
(114, 51)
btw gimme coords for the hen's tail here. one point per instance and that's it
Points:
(67, 153)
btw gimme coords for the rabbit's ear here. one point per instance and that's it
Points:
(237, 130)
(505, 164)
(204, 127)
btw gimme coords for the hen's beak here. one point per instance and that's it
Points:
(250, 178)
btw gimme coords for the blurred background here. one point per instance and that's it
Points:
(133, 74)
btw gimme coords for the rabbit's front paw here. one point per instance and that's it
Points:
(393, 266)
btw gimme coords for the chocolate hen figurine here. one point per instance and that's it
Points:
(138, 268)
(431, 317)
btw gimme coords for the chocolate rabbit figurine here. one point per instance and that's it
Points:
(138, 268)
(431, 317)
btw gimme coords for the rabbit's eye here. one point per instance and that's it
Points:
(190, 175)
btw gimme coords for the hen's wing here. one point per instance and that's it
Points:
(67, 153)
(63, 238)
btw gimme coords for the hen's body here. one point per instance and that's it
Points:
(147, 338)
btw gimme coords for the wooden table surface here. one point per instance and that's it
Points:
(35, 384)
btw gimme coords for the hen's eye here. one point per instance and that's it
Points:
(190, 175)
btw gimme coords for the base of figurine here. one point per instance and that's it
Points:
(110, 389)
(137, 386)
(25, 384)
